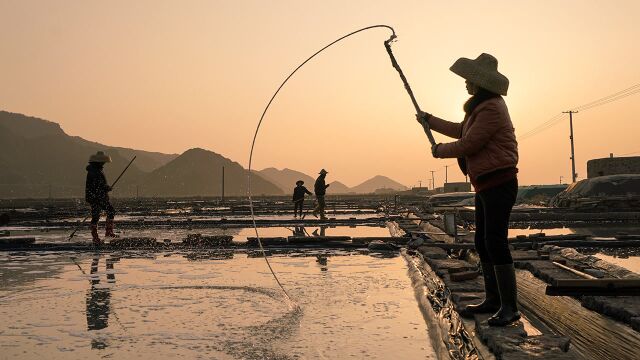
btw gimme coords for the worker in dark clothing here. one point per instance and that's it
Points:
(320, 189)
(298, 198)
(97, 195)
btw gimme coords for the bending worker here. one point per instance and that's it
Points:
(298, 197)
(320, 188)
(487, 150)
(97, 195)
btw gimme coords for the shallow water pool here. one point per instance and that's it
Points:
(143, 306)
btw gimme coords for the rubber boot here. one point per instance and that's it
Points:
(491, 302)
(94, 235)
(109, 229)
(506, 279)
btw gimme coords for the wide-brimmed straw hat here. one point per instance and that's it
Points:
(323, 171)
(299, 182)
(100, 157)
(483, 71)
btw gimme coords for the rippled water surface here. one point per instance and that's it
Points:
(137, 306)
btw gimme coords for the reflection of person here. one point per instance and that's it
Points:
(322, 260)
(298, 197)
(487, 151)
(298, 231)
(97, 195)
(323, 228)
(98, 300)
(320, 188)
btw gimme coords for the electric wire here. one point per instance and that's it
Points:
(632, 90)
(291, 303)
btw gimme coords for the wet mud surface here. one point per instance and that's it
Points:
(135, 305)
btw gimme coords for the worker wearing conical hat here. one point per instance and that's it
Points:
(487, 150)
(97, 195)
(298, 198)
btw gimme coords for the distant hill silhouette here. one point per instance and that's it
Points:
(31, 128)
(286, 178)
(37, 156)
(377, 182)
(198, 172)
(338, 188)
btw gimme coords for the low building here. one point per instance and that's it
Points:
(613, 166)
(456, 187)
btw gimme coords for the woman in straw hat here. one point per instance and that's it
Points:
(97, 195)
(487, 151)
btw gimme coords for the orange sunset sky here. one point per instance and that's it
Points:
(171, 75)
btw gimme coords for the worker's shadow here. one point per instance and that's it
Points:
(98, 300)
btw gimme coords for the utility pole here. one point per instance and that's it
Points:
(446, 175)
(573, 155)
(223, 184)
(419, 183)
(433, 182)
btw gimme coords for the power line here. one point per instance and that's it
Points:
(610, 100)
(632, 90)
(547, 124)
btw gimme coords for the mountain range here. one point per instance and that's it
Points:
(286, 179)
(38, 159)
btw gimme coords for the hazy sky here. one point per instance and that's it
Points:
(171, 75)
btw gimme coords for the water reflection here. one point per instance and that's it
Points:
(98, 299)
(322, 260)
(167, 306)
(628, 258)
(322, 229)
(299, 231)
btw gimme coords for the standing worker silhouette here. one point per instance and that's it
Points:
(298, 198)
(487, 151)
(97, 195)
(320, 189)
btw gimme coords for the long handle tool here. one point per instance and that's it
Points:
(425, 125)
(112, 185)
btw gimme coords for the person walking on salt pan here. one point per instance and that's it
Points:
(298, 198)
(320, 188)
(487, 150)
(97, 195)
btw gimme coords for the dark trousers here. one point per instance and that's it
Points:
(297, 206)
(320, 206)
(97, 207)
(493, 208)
